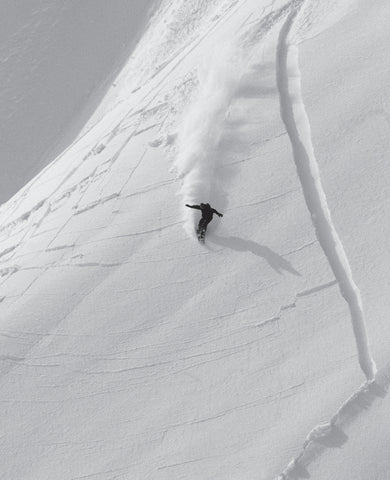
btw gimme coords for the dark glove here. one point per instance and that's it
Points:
(221, 214)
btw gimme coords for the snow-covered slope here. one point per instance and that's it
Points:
(131, 351)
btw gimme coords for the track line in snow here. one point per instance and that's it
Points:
(293, 303)
(178, 59)
(24, 217)
(265, 23)
(297, 123)
(97, 203)
(310, 291)
(196, 460)
(8, 250)
(302, 247)
(264, 200)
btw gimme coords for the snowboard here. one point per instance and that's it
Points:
(201, 234)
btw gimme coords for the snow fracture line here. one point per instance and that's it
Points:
(297, 124)
(331, 433)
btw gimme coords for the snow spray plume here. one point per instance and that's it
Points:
(202, 126)
(297, 124)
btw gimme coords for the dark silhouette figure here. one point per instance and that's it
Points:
(207, 216)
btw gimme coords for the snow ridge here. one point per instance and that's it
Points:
(297, 124)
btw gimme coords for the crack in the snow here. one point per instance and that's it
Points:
(297, 124)
(294, 116)
(293, 304)
(331, 433)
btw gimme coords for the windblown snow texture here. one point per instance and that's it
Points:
(298, 127)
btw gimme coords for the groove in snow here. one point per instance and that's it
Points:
(297, 124)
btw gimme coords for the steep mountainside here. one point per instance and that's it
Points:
(129, 350)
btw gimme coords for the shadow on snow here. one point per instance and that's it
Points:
(276, 261)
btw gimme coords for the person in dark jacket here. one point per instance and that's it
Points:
(207, 216)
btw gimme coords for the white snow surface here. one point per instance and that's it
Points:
(130, 351)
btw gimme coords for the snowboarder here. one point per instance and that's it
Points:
(207, 216)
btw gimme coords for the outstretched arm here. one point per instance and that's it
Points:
(219, 214)
(193, 206)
